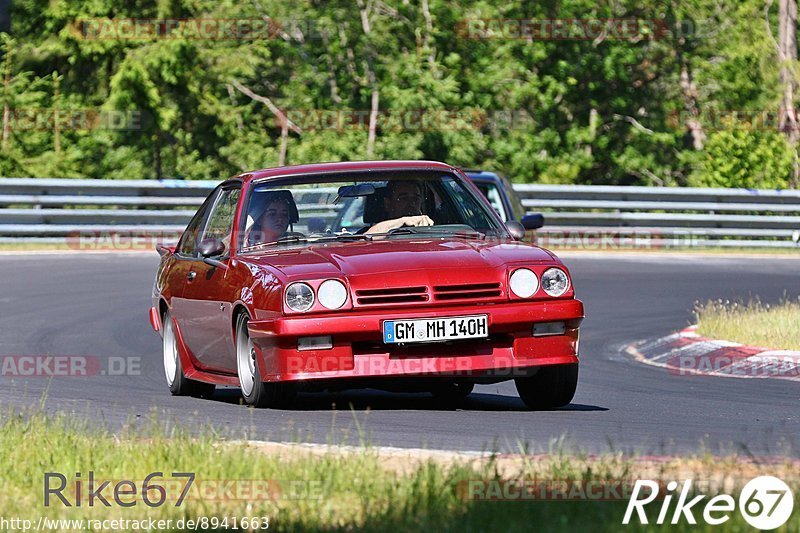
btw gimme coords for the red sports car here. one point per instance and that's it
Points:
(425, 290)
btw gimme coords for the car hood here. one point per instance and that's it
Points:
(385, 258)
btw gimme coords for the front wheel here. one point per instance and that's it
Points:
(551, 387)
(256, 392)
(179, 384)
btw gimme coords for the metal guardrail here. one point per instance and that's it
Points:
(668, 216)
(51, 209)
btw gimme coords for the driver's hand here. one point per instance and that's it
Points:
(389, 225)
(417, 221)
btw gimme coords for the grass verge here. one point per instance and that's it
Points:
(752, 323)
(33, 246)
(329, 490)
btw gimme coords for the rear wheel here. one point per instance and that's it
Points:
(256, 392)
(452, 392)
(179, 384)
(552, 386)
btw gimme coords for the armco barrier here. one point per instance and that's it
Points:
(50, 209)
(668, 216)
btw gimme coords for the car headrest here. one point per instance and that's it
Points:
(262, 199)
(375, 211)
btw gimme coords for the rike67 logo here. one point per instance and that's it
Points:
(765, 503)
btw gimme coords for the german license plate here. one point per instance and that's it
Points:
(435, 329)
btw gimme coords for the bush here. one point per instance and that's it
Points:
(745, 158)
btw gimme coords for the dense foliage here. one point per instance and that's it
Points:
(609, 109)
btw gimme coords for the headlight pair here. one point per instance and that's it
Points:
(300, 297)
(524, 283)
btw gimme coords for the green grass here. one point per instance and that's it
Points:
(350, 490)
(26, 246)
(752, 323)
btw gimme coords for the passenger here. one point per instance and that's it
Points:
(273, 222)
(403, 202)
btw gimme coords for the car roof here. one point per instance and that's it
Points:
(483, 175)
(343, 166)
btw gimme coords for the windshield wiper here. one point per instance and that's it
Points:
(344, 237)
(353, 237)
(410, 230)
(296, 239)
(405, 230)
(289, 239)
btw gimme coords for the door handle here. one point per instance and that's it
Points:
(192, 274)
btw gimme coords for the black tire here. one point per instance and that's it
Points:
(179, 384)
(551, 387)
(254, 391)
(452, 392)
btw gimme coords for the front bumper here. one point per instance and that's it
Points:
(358, 350)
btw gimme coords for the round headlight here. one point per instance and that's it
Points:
(555, 282)
(524, 283)
(332, 294)
(299, 297)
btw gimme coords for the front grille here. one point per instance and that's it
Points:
(398, 295)
(471, 291)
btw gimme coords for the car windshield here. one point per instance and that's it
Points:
(364, 206)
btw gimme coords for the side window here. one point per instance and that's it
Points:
(492, 193)
(188, 243)
(518, 210)
(470, 211)
(220, 221)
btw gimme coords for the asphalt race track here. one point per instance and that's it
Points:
(96, 305)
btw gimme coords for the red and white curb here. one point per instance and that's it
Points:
(686, 353)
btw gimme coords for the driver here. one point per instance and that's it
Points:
(403, 204)
(273, 222)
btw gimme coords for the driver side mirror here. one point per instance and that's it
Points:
(211, 247)
(516, 230)
(533, 221)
